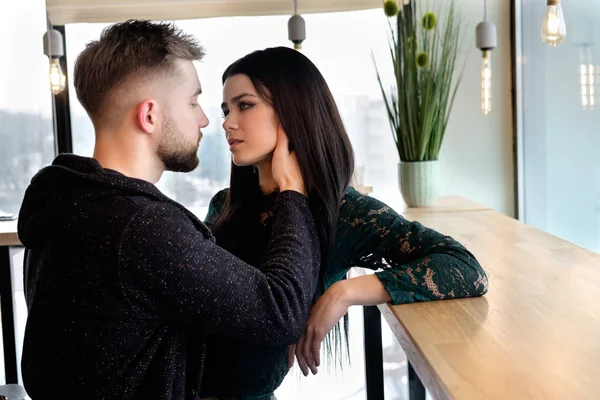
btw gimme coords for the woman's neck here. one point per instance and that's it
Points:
(265, 177)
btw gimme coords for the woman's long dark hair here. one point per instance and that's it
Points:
(293, 86)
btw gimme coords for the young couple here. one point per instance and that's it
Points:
(131, 296)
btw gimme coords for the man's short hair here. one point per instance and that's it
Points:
(132, 50)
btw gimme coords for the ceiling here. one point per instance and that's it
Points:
(61, 12)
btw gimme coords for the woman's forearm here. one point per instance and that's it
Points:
(362, 291)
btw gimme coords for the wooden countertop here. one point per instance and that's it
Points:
(8, 234)
(535, 335)
(444, 204)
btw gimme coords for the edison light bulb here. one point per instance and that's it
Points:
(588, 95)
(57, 78)
(486, 82)
(587, 78)
(554, 29)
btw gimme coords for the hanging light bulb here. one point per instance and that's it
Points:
(486, 40)
(296, 28)
(57, 78)
(486, 81)
(587, 78)
(554, 29)
(53, 48)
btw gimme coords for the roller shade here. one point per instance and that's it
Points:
(63, 12)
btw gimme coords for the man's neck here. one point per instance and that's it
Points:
(131, 159)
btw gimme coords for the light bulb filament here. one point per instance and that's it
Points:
(486, 82)
(57, 78)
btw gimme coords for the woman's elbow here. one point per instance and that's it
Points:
(481, 284)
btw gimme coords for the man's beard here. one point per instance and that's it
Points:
(176, 155)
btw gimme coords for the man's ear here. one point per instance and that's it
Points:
(147, 115)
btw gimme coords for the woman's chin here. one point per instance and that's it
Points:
(240, 163)
(250, 161)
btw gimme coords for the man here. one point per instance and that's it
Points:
(117, 275)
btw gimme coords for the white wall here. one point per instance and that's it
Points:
(477, 158)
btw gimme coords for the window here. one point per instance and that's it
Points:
(26, 133)
(559, 119)
(340, 51)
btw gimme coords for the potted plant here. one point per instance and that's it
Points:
(424, 48)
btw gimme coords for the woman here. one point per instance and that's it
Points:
(281, 86)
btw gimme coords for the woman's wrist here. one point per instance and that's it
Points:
(362, 291)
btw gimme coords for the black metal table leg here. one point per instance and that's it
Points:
(373, 353)
(8, 318)
(416, 390)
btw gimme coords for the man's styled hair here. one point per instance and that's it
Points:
(131, 51)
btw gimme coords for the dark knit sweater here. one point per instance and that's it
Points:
(118, 276)
(414, 263)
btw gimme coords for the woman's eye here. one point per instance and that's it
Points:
(244, 106)
(224, 114)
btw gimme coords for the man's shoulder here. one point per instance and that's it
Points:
(118, 213)
(124, 205)
(140, 202)
(166, 215)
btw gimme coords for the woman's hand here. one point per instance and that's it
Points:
(286, 171)
(329, 310)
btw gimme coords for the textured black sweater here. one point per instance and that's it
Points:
(118, 276)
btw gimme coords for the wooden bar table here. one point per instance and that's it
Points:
(535, 335)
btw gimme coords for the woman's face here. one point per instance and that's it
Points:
(250, 123)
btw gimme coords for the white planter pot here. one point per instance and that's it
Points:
(419, 182)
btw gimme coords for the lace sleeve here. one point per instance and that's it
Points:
(414, 263)
(215, 206)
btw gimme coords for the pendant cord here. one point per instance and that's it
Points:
(484, 10)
